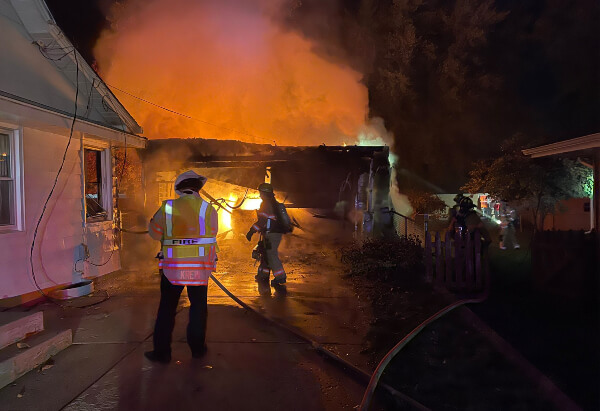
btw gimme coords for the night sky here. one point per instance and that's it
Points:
(537, 72)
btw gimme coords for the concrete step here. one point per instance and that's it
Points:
(15, 362)
(17, 326)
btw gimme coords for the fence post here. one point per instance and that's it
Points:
(469, 263)
(448, 255)
(439, 262)
(428, 257)
(405, 227)
(458, 260)
(485, 270)
(478, 275)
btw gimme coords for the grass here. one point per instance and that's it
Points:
(559, 337)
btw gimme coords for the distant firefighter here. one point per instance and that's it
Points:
(272, 223)
(187, 228)
(508, 237)
(454, 209)
(466, 220)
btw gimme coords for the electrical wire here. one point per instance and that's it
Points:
(35, 232)
(245, 133)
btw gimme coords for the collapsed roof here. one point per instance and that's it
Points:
(311, 176)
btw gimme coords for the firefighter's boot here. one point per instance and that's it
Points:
(263, 274)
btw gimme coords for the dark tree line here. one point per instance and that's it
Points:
(453, 79)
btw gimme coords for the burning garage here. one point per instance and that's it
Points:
(349, 183)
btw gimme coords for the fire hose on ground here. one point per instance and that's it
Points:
(370, 391)
(373, 380)
(376, 376)
(357, 372)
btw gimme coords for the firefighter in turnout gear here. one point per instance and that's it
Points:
(467, 220)
(271, 232)
(187, 228)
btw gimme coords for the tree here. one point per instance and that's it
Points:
(431, 82)
(535, 184)
(424, 202)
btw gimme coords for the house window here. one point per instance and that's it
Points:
(97, 190)
(10, 190)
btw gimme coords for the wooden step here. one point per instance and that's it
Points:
(16, 326)
(16, 362)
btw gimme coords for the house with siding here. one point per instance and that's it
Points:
(59, 128)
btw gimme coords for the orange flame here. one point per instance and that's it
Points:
(225, 217)
(232, 67)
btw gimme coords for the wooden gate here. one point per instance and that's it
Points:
(459, 263)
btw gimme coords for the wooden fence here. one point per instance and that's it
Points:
(459, 263)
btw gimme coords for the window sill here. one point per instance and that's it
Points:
(98, 225)
(94, 220)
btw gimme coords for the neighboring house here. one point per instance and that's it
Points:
(570, 214)
(566, 264)
(41, 74)
(587, 150)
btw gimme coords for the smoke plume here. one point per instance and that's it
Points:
(233, 66)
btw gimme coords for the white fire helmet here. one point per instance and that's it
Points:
(190, 174)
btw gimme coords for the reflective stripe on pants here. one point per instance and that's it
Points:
(273, 254)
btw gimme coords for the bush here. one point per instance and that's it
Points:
(391, 259)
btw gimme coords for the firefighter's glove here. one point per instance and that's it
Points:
(250, 234)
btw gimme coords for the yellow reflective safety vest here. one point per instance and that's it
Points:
(188, 227)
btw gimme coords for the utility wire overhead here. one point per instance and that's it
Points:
(185, 115)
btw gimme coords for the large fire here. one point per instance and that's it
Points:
(231, 66)
(225, 213)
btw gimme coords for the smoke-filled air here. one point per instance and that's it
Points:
(230, 63)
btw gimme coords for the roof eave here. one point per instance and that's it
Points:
(579, 144)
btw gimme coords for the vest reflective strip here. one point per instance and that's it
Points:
(169, 253)
(202, 218)
(189, 241)
(198, 282)
(200, 251)
(169, 217)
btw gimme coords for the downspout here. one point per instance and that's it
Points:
(81, 257)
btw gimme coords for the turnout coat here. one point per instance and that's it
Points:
(187, 228)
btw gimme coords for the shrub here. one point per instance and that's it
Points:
(391, 259)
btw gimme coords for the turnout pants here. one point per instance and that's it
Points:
(165, 319)
(271, 261)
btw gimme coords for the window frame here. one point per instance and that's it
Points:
(16, 170)
(106, 200)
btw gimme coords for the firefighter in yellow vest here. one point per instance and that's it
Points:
(187, 228)
(271, 232)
